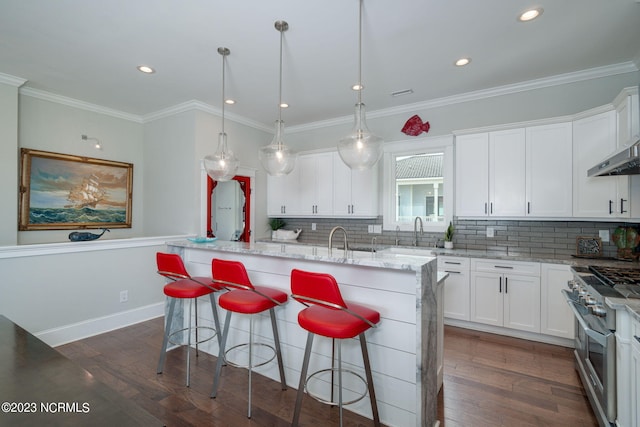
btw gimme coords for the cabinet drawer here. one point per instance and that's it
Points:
(449, 263)
(506, 267)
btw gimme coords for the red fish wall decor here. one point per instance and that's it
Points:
(414, 126)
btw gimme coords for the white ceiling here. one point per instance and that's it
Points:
(88, 50)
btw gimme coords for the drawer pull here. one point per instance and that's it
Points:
(504, 266)
(451, 262)
(455, 272)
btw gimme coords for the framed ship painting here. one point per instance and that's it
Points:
(63, 191)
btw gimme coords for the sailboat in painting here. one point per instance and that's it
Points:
(87, 194)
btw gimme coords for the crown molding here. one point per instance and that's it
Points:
(593, 73)
(204, 107)
(12, 80)
(75, 103)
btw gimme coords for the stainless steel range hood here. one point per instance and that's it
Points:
(623, 162)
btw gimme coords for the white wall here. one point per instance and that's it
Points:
(8, 164)
(51, 126)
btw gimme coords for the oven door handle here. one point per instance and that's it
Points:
(597, 336)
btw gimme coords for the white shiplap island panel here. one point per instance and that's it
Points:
(402, 348)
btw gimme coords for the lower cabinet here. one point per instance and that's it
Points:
(635, 374)
(456, 288)
(505, 293)
(556, 317)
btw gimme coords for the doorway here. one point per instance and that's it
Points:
(229, 208)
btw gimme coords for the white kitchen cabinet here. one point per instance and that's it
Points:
(472, 175)
(594, 138)
(506, 293)
(355, 193)
(507, 173)
(627, 116)
(282, 191)
(556, 318)
(626, 374)
(315, 185)
(635, 374)
(456, 289)
(549, 170)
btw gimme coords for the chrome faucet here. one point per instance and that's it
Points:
(333, 230)
(397, 237)
(373, 244)
(415, 230)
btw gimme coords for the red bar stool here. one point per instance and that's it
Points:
(245, 298)
(327, 314)
(183, 286)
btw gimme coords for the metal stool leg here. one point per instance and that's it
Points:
(165, 340)
(220, 362)
(303, 377)
(276, 339)
(189, 344)
(216, 319)
(340, 379)
(367, 369)
(250, 361)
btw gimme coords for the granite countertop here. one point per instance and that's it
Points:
(383, 259)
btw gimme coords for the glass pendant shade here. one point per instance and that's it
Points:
(276, 158)
(360, 149)
(223, 164)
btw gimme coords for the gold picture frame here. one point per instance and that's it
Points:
(64, 191)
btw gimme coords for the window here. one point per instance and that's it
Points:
(418, 183)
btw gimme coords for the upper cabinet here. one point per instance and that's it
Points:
(515, 173)
(549, 170)
(321, 185)
(595, 137)
(355, 193)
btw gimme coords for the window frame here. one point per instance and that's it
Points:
(439, 144)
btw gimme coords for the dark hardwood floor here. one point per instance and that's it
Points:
(489, 380)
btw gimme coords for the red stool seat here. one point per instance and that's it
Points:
(184, 287)
(334, 323)
(245, 298)
(190, 288)
(252, 302)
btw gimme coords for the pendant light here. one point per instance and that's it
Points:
(277, 158)
(222, 165)
(360, 149)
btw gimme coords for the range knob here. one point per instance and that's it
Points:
(572, 284)
(597, 310)
(589, 300)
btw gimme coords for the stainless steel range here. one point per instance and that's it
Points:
(595, 348)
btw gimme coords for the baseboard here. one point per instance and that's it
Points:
(88, 328)
(547, 339)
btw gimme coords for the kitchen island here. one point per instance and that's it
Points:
(404, 288)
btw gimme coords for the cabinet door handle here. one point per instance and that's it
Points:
(491, 208)
(622, 205)
(610, 204)
(528, 207)
(485, 208)
(500, 286)
(506, 285)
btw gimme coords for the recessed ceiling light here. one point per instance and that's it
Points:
(462, 62)
(229, 101)
(531, 14)
(146, 69)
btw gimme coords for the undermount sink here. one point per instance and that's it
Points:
(399, 251)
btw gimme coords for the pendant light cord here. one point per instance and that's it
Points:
(224, 59)
(360, 55)
(280, 95)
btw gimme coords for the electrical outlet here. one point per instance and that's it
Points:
(377, 229)
(604, 235)
(491, 232)
(370, 228)
(313, 226)
(124, 296)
